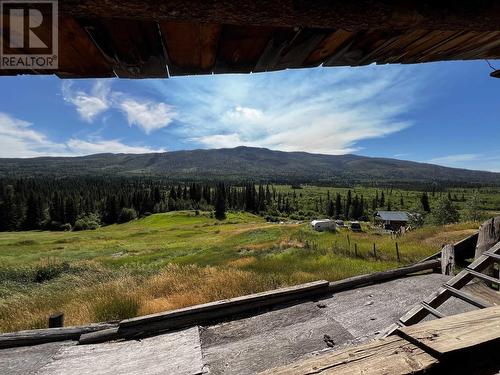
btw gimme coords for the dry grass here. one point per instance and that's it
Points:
(126, 296)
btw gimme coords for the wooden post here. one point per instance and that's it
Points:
(397, 252)
(374, 250)
(56, 320)
(356, 249)
(489, 235)
(349, 241)
(447, 259)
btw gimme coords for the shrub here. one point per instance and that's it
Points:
(116, 307)
(66, 227)
(126, 215)
(87, 222)
(49, 271)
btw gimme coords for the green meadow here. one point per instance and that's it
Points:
(177, 259)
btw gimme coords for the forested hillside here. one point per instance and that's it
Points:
(257, 164)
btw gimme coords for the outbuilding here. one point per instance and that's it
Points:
(392, 220)
(322, 225)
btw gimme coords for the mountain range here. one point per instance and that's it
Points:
(248, 163)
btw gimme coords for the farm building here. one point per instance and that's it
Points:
(392, 220)
(322, 225)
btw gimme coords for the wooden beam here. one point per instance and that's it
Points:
(392, 355)
(356, 281)
(448, 260)
(479, 15)
(432, 310)
(40, 336)
(483, 277)
(466, 297)
(223, 309)
(456, 332)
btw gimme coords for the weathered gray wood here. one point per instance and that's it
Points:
(99, 336)
(432, 310)
(40, 336)
(176, 353)
(489, 235)
(418, 313)
(448, 259)
(356, 281)
(466, 297)
(464, 249)
(483, 277)
(220, 309)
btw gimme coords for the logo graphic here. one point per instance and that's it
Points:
(29, 35)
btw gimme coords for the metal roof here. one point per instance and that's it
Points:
(392, 215)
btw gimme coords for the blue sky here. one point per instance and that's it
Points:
(445, 113)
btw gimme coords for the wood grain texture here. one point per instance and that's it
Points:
(350, 15)
(456, 332)
(393, 355)
(39, 336)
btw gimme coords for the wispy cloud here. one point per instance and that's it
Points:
(88, 105)
(488, 161)
(19, 140)
(147, 114)
(319, 110)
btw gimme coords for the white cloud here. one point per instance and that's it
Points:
(148, 115)
(82, 147)
(19, 140)
(88, 105)
(318, 110)
(487, 161)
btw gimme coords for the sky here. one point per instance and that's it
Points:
(445, 113)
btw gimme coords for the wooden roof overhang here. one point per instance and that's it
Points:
(145, 39)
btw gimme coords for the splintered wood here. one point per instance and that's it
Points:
(456, 332)
(392, 355)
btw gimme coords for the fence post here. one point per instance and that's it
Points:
(356, 249)
(374, 250)
(56, 320)
(397, 252)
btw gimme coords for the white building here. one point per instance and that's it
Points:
(321, 225)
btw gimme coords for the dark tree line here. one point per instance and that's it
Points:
(88, 202)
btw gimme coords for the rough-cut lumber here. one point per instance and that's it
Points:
(392, 355)
(356, 281)
(220, 309)
(464, 249)
(176, 353)
(470, 299)
(489, 235)
(418, 313)
(95, 337)
(456, 332)
(350, 15)
(40, 336)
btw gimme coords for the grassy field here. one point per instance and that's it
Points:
(172, 260)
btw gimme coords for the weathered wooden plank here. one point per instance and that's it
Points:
(78, 55)
(448, 260)
(220, 309)
(40, 336)
(416, 314)
(240, 48)
(483, 277)
(350, 15)
(99, 336)
(392, 355)
(337, 286)
(134, 48)
(466, 297)
(329, 46)
(432, 310)
(456, 332)
(176, 353)
(191, 47)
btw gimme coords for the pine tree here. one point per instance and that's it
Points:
(424, 200)
(220, 202)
